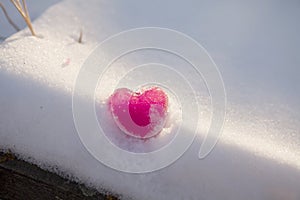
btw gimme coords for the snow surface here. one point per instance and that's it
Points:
(256, 47)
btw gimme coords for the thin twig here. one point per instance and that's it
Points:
(24, 12)
(2, 38)
(80, 36)
(8, 18)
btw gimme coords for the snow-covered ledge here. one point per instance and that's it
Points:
(37, 76)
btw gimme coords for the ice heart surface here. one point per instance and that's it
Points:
(140, 114)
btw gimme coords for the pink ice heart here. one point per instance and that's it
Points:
(139, 114)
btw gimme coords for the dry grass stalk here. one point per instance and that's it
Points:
(8, 18)
(22, 8)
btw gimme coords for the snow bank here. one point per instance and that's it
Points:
(258, 155)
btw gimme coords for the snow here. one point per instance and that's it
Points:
(255, 45)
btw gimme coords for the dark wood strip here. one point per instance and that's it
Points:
(22, 180)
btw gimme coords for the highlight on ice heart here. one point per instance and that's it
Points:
(140, 114)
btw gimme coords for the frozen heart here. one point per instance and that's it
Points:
(139, 114)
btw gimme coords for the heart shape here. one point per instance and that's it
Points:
(139, 114)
